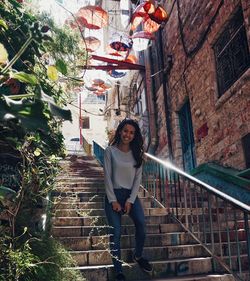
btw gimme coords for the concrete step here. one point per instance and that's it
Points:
(81, 192)
(207, 277)
(86, 186)
(65, 203)
(172, 238)
(101, 220)
(162, 268)
(100, 212)
(78, 179)
(99, 257)
(77, 231)
(75, 199)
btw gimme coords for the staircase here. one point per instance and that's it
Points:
(79, 223)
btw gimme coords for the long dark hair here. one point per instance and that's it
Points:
(136, 145)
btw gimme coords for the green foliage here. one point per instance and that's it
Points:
(39, 259)
(31, 143)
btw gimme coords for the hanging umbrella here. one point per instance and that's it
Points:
(131, 59)
(90, 88)
(141, 12)
(106, 86)
(160, 15)
(116, 74)
(71, 23)
(151, 16)
(150, 26)
(121, 42)
(94, 78)
(141, 40)
(92, 17)
(116, 54)
(97, 82)
(92, 43)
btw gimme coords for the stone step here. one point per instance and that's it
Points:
(173, 237)
(100, 212)
(77, 179)
(167, 268)
(96, 198)
(156, 240)
(101, 220)
(81, 192)
(64, 203)
(77, 231)
(99, 257)
(83, 173)
(207, 277)
(86, 186)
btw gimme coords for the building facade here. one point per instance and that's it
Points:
(199, 90)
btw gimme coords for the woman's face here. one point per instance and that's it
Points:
(127, 134)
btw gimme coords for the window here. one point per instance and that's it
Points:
(231, 53)
(85, 122)
(246, 149)
(156, 62)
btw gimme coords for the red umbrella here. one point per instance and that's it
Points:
(116, 54)
(141, 12)
(150, 15)
(150, 25)
(92, 17)
(160, 15)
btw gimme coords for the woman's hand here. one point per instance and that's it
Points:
(116, 206)
(127, 207)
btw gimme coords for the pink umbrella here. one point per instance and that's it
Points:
(149, 15)
(92, 17)
(92, 43)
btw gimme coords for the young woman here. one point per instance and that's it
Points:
(122, 174)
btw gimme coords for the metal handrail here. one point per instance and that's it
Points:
(217, 221)
(215, 191)
(211, 217)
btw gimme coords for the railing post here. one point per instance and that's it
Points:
(203, 203)
(247, 237)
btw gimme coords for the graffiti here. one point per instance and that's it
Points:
(10, 175)
(176, 269)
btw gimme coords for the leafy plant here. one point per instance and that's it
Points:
(42, 258)
(35, 59)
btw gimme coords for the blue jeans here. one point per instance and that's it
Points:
(114, 220)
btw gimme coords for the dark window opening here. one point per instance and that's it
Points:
(156, 63)
(84, 122)
(231, 53)
(246, 149)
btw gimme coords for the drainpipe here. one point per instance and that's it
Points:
(166, 69)
(151, 104)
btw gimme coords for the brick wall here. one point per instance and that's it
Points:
(218, 123)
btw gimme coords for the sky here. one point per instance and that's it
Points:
(58, 13)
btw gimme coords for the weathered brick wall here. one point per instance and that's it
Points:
(219, 123)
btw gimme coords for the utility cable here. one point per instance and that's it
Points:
(203, 36)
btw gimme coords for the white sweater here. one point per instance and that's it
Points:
(119, 172)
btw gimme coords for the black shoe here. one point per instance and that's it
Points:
(144, 264)
(120, 277)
